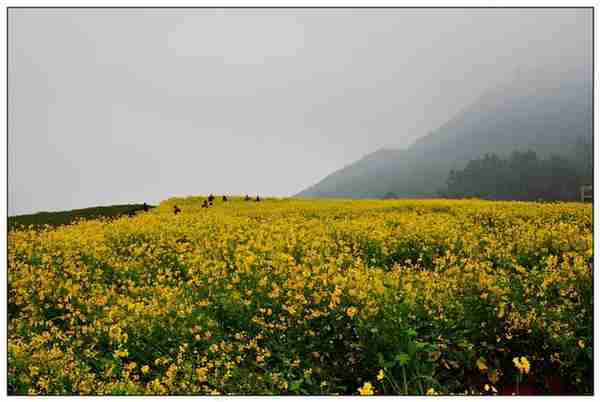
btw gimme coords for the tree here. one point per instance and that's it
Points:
(522, 176)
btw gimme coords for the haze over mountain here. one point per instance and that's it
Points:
(543, 110)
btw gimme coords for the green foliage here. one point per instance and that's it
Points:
(522, 176)
(68, 217)
(409, 297)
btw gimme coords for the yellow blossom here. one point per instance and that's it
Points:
(366, 389)
(522, 364)
(351, 311)
(294, 272)
(481, 365)
(201, 374)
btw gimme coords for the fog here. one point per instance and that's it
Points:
(132, 105)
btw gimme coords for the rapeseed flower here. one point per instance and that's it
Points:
(214, 294)
(366, 389)
(522, 364)
(351, 311)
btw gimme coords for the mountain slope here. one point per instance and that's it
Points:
(542, 111)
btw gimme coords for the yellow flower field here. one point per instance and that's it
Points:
(288, 296)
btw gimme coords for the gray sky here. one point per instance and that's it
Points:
(118, 106)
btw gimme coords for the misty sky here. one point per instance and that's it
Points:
(133, 105)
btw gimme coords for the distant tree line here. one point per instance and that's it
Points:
(521, 176)
(67, 217)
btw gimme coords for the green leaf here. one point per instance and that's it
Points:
(402, 358)
(296, 385)
(412, 349)
(421, 345)
(380, 359)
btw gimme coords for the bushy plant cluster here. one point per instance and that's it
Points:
(304, 297)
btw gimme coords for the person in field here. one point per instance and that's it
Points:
(146, 207)
(211, 198)
(224, 198)
(257, 198)
(176, 209)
